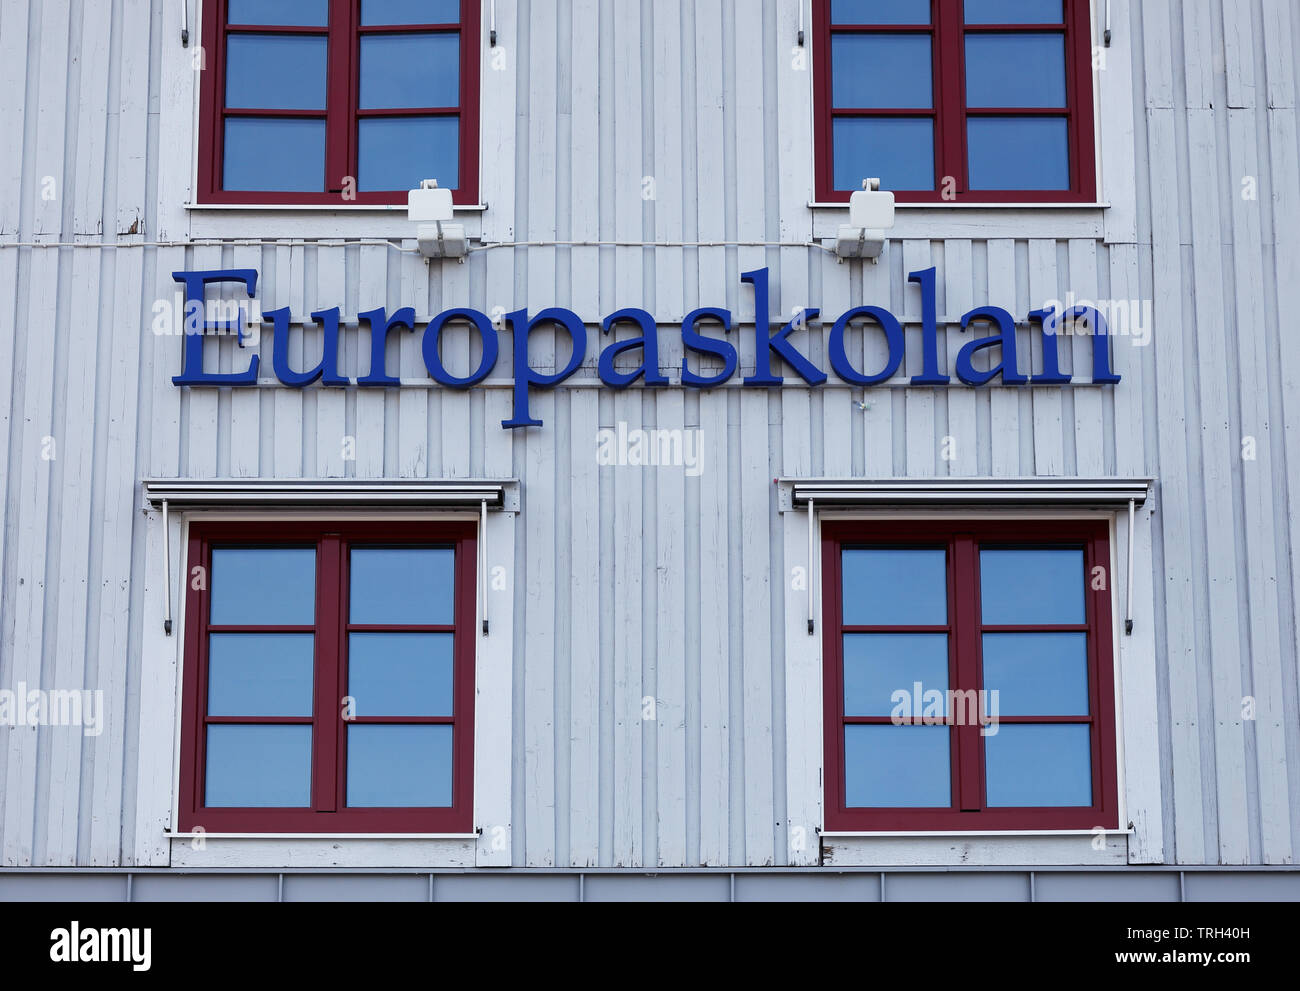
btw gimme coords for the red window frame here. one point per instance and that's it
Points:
(962, 541)
(328, 812)
(950, 113)
(341, 114)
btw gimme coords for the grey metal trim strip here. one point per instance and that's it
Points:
(1110, 492)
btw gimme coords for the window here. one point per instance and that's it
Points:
(329, 678)
(955, 100)
(969, 677)
(338, 101)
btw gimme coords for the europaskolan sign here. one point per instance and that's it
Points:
(526, 378)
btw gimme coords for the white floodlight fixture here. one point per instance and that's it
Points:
(430, 208)
(871, 215)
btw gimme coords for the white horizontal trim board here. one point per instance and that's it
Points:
(1114, 492)
(183, 494)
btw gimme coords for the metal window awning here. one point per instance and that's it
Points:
(338, 493)
(1111, 493)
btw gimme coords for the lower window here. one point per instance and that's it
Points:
(969, 676)
(329, 678)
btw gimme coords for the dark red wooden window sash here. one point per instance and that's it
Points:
(963, 541)
(328, 812)
(950, 112)
(342, 106)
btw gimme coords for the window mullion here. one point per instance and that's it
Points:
(340, 99)
(329, 675)
(950, 104)
(970, 758)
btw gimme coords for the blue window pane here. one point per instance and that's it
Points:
(889, 587)
(402, 586)
(881, 71)
(1019, 153)
(897, 767)
(897, 150)
(1038, 767)
(1014, 12)
(399, 767)
(410, 70)
(1037, 674)
(278, 155)
(410, 11)
(401, 674)
(1032, 588)
(288, 13)
(275, 72)
(274, 586)
(258, 767)
(1015, 70)
(396, 153)
(259, 674)
(880, 11)
(876, 666)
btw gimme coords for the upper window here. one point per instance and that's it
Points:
(329, 678)
(969, 677)
(338, 101)
(955, 100)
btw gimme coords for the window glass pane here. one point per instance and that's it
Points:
(1038, 767)
(273, 586)
(410, 11)
(895, 587)
(876, 666)
(400, 674)
(402, 586)
(258, 767)
(1032, 588)
(280, 155)
(1019, 153)
(1014, 12)
(880, 11)
(1015, 70)
(392, 767)
(275, 72)
(289, 13)
(398, 152)
(410, 70)
(897, 150)
(897, 767)
(874, 71)
(256, 674)
(1037, 674)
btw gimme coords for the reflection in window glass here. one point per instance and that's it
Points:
(259, 767)
(401, 71)
(897, 150)
(275, 72)
(401, 586)
(260, 674)
(876, 665)
(284, 13)
(1028, 153)
(410, 12)
(873, 71)
(1039, 767)
(1006, 71)
(897, 767)
(399, 767)
(880, 11)
(274, 586)
(400, 674)
(895, 587)
(1038, 674)
(1032, 587)
(1014, 11)
(274, 155)
(398, 152)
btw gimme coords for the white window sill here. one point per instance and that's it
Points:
(1019, 850)
(975, 206)
(317, 851)
(321, 208)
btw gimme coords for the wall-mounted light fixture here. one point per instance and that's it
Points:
(430, 208)
(871, 214)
